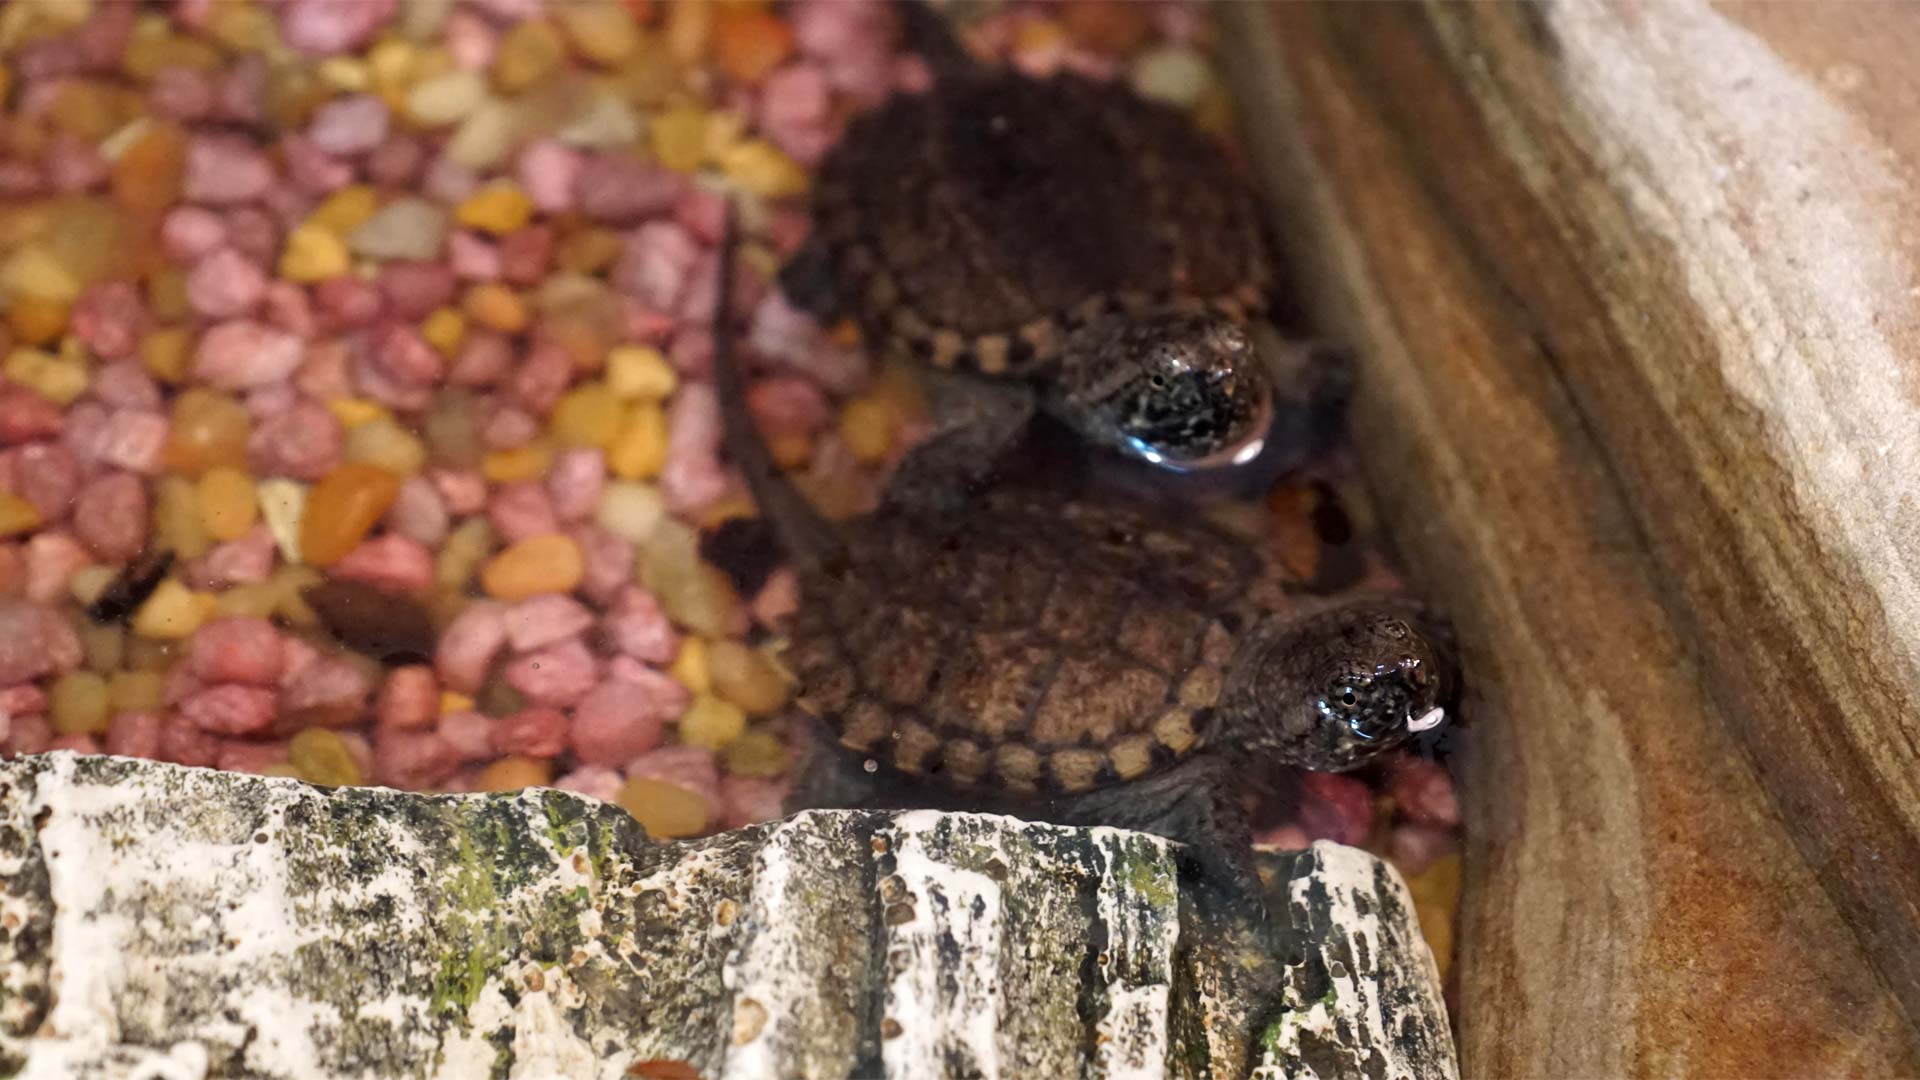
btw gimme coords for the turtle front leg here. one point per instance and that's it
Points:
(1193, 805)
(976, 423)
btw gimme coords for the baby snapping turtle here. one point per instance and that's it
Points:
(1066, 237)
(1071, 657)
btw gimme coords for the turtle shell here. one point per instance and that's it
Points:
(1027, 646)
(973, 226)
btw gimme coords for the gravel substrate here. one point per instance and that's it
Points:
(410, 301)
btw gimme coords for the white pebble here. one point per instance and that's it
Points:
(406, 228)
(447, 98)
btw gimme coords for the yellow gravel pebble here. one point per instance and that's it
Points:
(173, 612)
(640, 373)
(352, 412)
(166, 352)
(744, 676)
(445, 329)
(712, 722)
(603, 31)
(665, 810)
(314, 253)
(587, 415)
(536, 565)
(868, 426)
(136, 691)
(451, 702)
(529, 52)
(639, 450)
(320, 756)
(689, 667)
(678, 136)
(756, 753)
(499, 207)
(345, 210)
(520, 463)
(762, 169)
(80, 703)
(496, 307)
(17, 515)
(59, 379)
(513, 774)
(228, 503)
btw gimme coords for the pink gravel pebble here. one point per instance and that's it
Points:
(472, 258)
(468, 645)
(25, 416)
(225, 169)
(72, 165)
(134, 734)
(180, 93)
(109, 317)
(250, 756)
(391, 562)
(133, 440)
(691, 767)
(520, 510)
(80, 744)
(787, 405)
(124, 384)
(1414, 848)
(778, 599)
(1285, 837)
(484, 359)
(302, 442)
(574, 482)
(346, 302)
(327, 690)
(239, 562)
(242, 354)
(608, 562)
(412, 759)
(556, 675)
(189, 232)
(505, 427)
(229, 709)
(656, 264)
(702, 213)
(241, 94)
(254, 233)
(225, 284)
(28, 733)
(625, 717)
(536, 732)
(13, 572)
(48, 476)
(548, 172)
(470, 734)
(448, 181)
(414, 289)
(638, 628)
(24, 698)
(52, 559)
(470, 40)
(110, 516)
(463, 490)
(750, 800)
(323, 27)
(1423, 791)
(287, 308)
(619, 189)
(419, 513)
(185, 744)
(526, 255)
(405, 358)
(397, 162)
(542, 620)
(542, 377)
(349, 125)
(410, 698)
(313, 171)
(593, 781)
(266, 402)
(237, 650)
(1334, 807)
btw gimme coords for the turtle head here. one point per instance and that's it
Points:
(1180, 390)
(1333, 690)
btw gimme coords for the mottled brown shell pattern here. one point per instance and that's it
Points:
(1032, 647)
(974, 226)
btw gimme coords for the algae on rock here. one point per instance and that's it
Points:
(164, 921)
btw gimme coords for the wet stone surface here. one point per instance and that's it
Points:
(198, 923)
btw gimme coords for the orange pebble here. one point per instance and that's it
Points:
(209, 429)
(342, 509)
(147, 177)
(749, 44)
(36, 320)
(1109, 26)
(514, 773)
(550, 563)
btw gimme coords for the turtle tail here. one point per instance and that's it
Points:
(925, 32)
(808, 539)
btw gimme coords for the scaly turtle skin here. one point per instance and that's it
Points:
(1058, 232)
(1069, 656)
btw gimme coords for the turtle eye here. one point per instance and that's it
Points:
(1348, 697)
